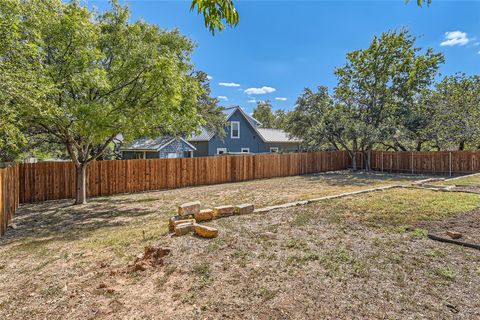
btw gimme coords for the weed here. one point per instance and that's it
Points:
(419, 233)
(338, 259)
(436, 253)
(444, 273)
(203, 270)
(300, 260)
(266, 294)
(296, 244)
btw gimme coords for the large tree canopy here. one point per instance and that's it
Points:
(383, 81)
(378, 91)
(99, 75)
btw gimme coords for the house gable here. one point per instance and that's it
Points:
(249, 137)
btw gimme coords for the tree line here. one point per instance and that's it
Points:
(386, 98)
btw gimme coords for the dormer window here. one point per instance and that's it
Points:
(234, 129)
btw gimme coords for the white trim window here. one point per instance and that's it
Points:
(273, 149)
(235, 129)
(245, 150)
(221, 150)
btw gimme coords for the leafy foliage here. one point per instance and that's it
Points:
(269, 119)
(215, 12)
(95, 76)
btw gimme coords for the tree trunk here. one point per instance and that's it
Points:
(353, 155)
(419, 146)
(461, 147)
(81, 197)
(368, 160)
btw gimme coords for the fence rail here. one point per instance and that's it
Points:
(57, 180)
(9, 195)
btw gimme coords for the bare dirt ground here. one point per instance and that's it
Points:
(467, 224)
(346, 258)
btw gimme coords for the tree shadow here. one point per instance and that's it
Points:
(61, 220)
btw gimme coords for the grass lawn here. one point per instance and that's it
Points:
(469, 180)
(343, 258)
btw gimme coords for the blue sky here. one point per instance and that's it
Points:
(288, 45)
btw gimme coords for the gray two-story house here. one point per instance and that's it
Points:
(243, 135)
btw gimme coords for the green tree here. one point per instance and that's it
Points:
(281, 119)
(208, 107)
(102, 75)
(457, 112)
(263, 113)
(19, 81)
(324, 124)
(383, 81)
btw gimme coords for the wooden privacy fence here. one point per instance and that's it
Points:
(429, 162)
(9, 195)
(57, 180)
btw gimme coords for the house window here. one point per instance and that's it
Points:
(245, 150)
(273, 149)
(172, 155)
(221, 150)
(234, 129)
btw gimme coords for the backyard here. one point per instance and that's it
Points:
(364, 256)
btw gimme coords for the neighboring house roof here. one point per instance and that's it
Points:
(276, 135)
(267, 135)
(204, 135)
(149, 144)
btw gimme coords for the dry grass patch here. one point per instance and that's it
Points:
(317, 261)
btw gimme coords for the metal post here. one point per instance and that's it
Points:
(450, 163)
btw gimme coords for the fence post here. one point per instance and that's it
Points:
(382, 161)
(412, 162)
(450, 163)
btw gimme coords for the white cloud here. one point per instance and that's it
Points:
(252, 101)
(229, 84)
(222, 98)
(281, 99)
(209, 77)
(262, 90)
(454, 38)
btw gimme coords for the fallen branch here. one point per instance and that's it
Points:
(461, 243)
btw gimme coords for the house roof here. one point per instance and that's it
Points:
(152, 144)
(204, 135)
(267, 135)
(230, 111)
(276, 135)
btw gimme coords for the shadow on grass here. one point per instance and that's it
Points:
(61, 220)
